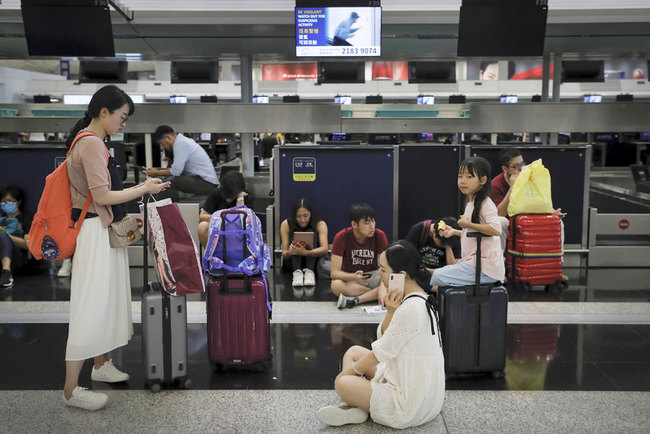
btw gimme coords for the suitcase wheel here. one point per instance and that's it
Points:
(155, 387)
(498, 374)
(217, 368)
(187, 384)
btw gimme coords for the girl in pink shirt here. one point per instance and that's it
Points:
(480, 216)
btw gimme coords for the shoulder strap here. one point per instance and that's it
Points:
(80, 136)
(430, 302)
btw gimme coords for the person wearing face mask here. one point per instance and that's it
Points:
(14, 231)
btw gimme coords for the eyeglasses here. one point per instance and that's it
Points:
(124, 119)
(517, 166)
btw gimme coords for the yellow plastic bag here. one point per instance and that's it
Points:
(531, 192)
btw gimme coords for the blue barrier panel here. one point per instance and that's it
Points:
(427, 183)
(27, 166)
(569, 179)
(334, 178)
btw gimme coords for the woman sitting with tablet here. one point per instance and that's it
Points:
(304, 239)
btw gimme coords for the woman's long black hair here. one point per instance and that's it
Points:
(302, 203)
(403, 256)
(111, 97)
(478, 167)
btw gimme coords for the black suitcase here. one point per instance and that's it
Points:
(164, 333)
(473, 324)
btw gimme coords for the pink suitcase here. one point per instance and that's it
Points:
(239, 313)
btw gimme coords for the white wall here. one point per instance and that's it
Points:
(17, 82)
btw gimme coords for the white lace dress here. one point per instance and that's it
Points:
(408, 388)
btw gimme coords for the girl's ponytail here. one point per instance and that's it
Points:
(80, 125)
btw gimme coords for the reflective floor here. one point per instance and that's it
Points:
(567, 360)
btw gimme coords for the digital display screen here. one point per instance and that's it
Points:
(338, 31)
(178, 99)
(343, 99)
(592, 98)
(260, 99)
(205, 137)
(428, 99)
(509, 99)
(339, 136)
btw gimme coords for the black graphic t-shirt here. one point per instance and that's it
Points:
(432, 255)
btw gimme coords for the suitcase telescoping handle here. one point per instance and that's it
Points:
(247, 284)
(479, 237)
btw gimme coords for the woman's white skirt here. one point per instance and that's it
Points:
(100, 295)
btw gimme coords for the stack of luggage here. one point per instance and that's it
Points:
(238, 300)
(535, 251)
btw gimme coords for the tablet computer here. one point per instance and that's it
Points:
(306, 237)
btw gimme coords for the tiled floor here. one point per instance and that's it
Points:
(604, 357)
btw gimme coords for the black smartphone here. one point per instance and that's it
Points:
(367, 274)
(168, 178)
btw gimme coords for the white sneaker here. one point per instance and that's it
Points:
(66, 268)
(84, 398)
(309, 277)
(334, 415)
(108, 373)
(298, 278)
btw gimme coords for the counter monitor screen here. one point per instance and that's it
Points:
(592, 98)
(426, 99)
(327, 29)
(178, 99)
(509, 99)
(343, 99)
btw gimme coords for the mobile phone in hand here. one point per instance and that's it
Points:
(396, 282)
(168, 178)
(367, 274)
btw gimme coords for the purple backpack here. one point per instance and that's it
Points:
(236, 244)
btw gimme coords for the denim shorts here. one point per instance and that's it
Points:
(459, 274)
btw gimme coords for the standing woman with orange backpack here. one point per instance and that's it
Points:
(100, 293)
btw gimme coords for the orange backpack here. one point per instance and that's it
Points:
(53, 234)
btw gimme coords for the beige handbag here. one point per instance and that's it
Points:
(124, 233)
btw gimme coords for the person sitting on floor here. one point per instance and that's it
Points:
(400, 381)
(355, 253)
(298, 254)
(14, 233)
(231, 192)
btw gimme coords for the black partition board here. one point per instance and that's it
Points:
(27, 166)
(344, 176)
(567, 167)
(427, 184)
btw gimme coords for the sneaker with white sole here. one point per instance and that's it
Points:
(298, 278)
(84, 398)
(6, 279)
(346, 302)
(108, 373)
(66, 268)
(309, 277)
(335, 415)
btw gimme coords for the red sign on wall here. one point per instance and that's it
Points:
(624, 224)
(289, 71)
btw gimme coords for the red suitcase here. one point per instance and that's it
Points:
(535, 250)
(239, 312)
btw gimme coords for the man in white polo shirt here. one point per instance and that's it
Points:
(192, 169)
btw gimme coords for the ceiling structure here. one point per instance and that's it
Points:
(412, 29)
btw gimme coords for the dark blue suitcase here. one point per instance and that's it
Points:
(473, 325)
